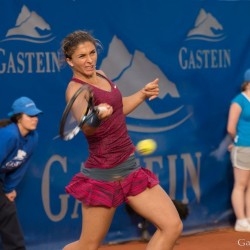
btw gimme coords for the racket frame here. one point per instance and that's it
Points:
(83, 119)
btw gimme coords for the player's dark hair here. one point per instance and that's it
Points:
(70, 42)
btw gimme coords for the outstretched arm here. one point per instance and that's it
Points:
(150, 90)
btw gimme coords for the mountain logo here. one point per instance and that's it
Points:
(206, 28)
(30, 27)
(130, 73)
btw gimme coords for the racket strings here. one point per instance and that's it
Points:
(76, 114)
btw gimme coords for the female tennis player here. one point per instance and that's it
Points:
(110, 175)
(18, 139)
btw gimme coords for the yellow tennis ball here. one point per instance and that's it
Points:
(146, 147)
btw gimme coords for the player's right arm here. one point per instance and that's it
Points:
(87, 128)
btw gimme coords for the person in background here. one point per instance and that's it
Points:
(238, 128)
(110, 175)
(18, 139)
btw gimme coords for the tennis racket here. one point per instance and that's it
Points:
(77, 112)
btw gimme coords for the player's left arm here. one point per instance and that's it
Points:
(150, 91)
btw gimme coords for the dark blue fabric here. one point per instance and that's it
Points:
(15, 154)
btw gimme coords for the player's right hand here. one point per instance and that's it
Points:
(105, 111)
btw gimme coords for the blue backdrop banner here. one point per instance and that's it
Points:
(198, 50)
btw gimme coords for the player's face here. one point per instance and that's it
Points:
(83, 60)
(27, 123)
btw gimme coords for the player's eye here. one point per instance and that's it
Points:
(82, 56)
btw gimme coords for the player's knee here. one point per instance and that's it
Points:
(179, 227)
(173, 228)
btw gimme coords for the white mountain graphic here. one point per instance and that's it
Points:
(206, 28)
(131, 73)
(30, 27)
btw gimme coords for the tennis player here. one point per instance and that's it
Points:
(110, 175)
(18, 139)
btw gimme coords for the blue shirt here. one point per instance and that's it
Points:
(242, 137)
(15, 154)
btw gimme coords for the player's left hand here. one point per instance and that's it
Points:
(151, 90)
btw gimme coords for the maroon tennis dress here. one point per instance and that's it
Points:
(110, 147)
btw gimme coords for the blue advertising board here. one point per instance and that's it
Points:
(198, 49)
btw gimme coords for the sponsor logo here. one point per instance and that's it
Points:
(30, 27)
(131, 72)
(200, 54)
(16, 161)
(206, 28)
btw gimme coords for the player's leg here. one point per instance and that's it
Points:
(155, 205)
(95, 225)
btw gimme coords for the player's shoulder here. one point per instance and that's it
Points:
(104, 77)
(100, 72)
(73, 86)
(71, 89)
